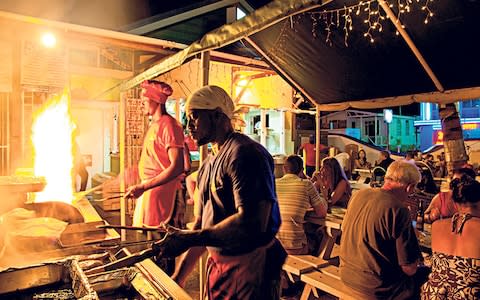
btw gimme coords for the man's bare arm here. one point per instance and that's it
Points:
(186, 264)
(243, 227)
(175, 168)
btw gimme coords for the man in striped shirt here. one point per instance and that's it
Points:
(295, 197)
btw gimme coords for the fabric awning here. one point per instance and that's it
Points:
(291, 36)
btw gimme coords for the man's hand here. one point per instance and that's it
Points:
(135, 191)
(174, 243)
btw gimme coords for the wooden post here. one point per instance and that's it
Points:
(123, 201)
(205, 73)
(317, 138)
(202, 266)
(453, 143)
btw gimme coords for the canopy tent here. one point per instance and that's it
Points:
(310, 44)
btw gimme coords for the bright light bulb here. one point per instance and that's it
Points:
(49, 40)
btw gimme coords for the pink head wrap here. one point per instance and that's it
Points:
(156, 90)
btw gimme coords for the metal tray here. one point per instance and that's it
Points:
(17, 281)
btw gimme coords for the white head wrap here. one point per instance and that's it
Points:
(211, 97)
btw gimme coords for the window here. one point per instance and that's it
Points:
(471, 103)
(399, 127)
(470, 109)
(407, 127)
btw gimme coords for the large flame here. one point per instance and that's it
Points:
(52, 142)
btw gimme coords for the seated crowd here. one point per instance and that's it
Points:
(380, 256)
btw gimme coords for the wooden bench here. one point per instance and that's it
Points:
(301, 264)
(317, 274)
(318, 280)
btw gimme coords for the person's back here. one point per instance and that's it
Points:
(379, 250)
(295, 197)
(465, 244)
(370, 229)
(442, 204)
(455, 251)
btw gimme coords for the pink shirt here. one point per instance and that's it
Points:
(162, 135)
(309, 154)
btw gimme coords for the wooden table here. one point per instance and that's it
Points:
(364, 174)
(357, 185)
(333, 225)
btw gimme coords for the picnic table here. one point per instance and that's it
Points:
(333, 227)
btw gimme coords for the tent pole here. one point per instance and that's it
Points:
(205, 78)
(123, 201)
(411, 45)
(204, 73)
(317, 138)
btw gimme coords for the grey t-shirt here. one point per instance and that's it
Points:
(377, 238)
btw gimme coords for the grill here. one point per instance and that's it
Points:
(60, 272)
(66, 279)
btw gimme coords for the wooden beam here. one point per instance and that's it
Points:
(149, 62)
(91, 31)
(449, 96)
(75, 38)
(396, 22)
(236, 59)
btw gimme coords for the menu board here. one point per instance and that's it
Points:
(135, 128)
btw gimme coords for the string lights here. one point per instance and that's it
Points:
(369, 12)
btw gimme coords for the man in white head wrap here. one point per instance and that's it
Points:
(240, 215)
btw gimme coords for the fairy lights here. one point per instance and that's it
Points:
(429, 12)
(367, 12)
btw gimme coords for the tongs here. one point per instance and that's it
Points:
(133, 258)
(126, 261)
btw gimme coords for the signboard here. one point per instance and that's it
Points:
(470, 131)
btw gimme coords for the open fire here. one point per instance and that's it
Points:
(53, 146)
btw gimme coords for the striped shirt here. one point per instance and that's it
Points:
(295, 197)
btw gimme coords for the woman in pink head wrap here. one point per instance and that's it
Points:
(162, 160)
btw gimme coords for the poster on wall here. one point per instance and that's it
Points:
(41, 66)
